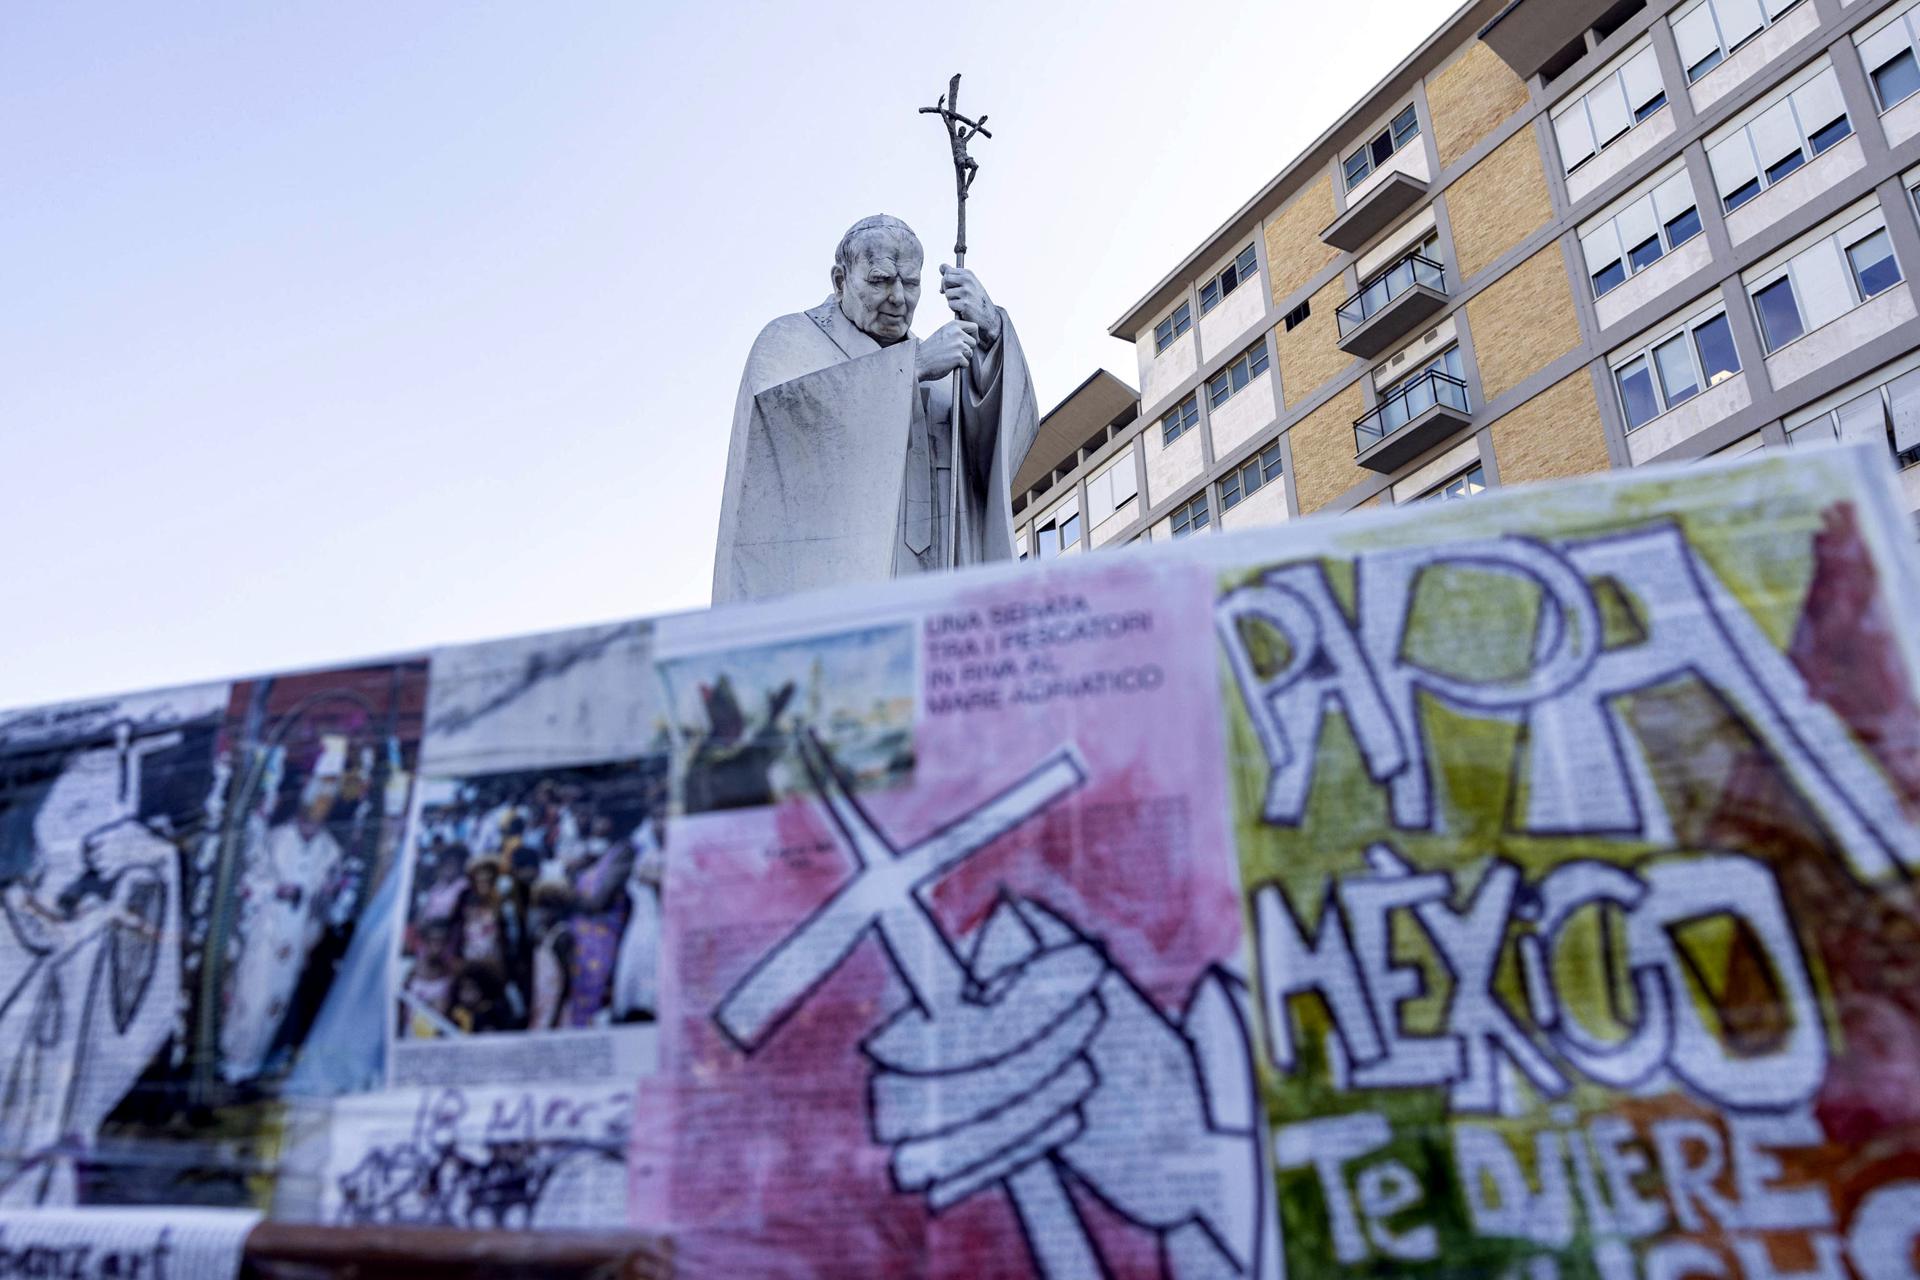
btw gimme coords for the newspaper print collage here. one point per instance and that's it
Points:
(1520, 887)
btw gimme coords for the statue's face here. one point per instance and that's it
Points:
(881, 290)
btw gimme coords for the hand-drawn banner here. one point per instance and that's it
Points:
(1519, 887)
(984, 1019)
(1577, 833)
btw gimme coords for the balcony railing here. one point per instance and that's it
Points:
(1406, 403)
(1415, 268)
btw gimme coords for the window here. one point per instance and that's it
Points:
(1404, 128)
(1675, 367)
(1888, 413)
(1623, 97)
(1111, 489)
(1190, 515)
(1179, 420)
(1711, 30)
(1247, 478)
(1640, 234)
(1825, 280)
(1780, 138)
(1779, 314)
(1469, 482)
(1888, 56)
(1245, 367)
(1874, 270)
(1237, 273)
(1172, 327)
(1298, 316)
(1059, 530)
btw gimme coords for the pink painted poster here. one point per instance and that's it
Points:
(955, 941)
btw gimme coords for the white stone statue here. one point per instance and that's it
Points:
(840, 466)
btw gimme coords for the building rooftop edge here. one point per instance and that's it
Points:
(1128, 324)
(1086, 382)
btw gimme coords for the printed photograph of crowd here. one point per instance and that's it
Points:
(535, 903)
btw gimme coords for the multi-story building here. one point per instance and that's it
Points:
(1561, 236)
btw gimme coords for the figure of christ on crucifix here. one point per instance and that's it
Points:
(860, 452)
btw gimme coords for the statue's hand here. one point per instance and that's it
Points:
(948, 348)
(968, 298)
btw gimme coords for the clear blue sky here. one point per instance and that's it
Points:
(333, 330)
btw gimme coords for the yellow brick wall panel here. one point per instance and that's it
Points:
(1295, 251)
(1555, 435)
(1322, 443)
(1308, 354)
(1498, 203)
(1523, 322)
(1468, 98)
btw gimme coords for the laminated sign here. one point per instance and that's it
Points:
(1517, 887)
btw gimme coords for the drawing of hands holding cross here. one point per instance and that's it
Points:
(1058, 1056)
(1026, 1060)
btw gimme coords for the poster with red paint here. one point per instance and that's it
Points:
(951, 974)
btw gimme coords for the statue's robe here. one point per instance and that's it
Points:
(840, 465)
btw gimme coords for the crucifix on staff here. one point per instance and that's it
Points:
(960, 131)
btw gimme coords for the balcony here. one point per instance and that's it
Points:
(1528, 34)
(1377, 208)
(1392, 305)
(1415, 416)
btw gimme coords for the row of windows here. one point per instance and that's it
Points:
(1107, 492)
(1600, 117)
(1640, 234)
(1172, 327)
(1180, 419)
(1112, 489)
(1060, 531)
(1235, 487)
(1244, 267)
(1237, 273)
(1824, 281)
(1710, 31)
(1888, 414)
(1194, 514)
(1241, 370)
(1190, 516)
(1817, 285)
(1404, 128)
(1464, 485)
(1245, 480)
(1805, 122)
(1676, 367)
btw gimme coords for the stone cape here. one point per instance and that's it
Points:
(828, 476)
